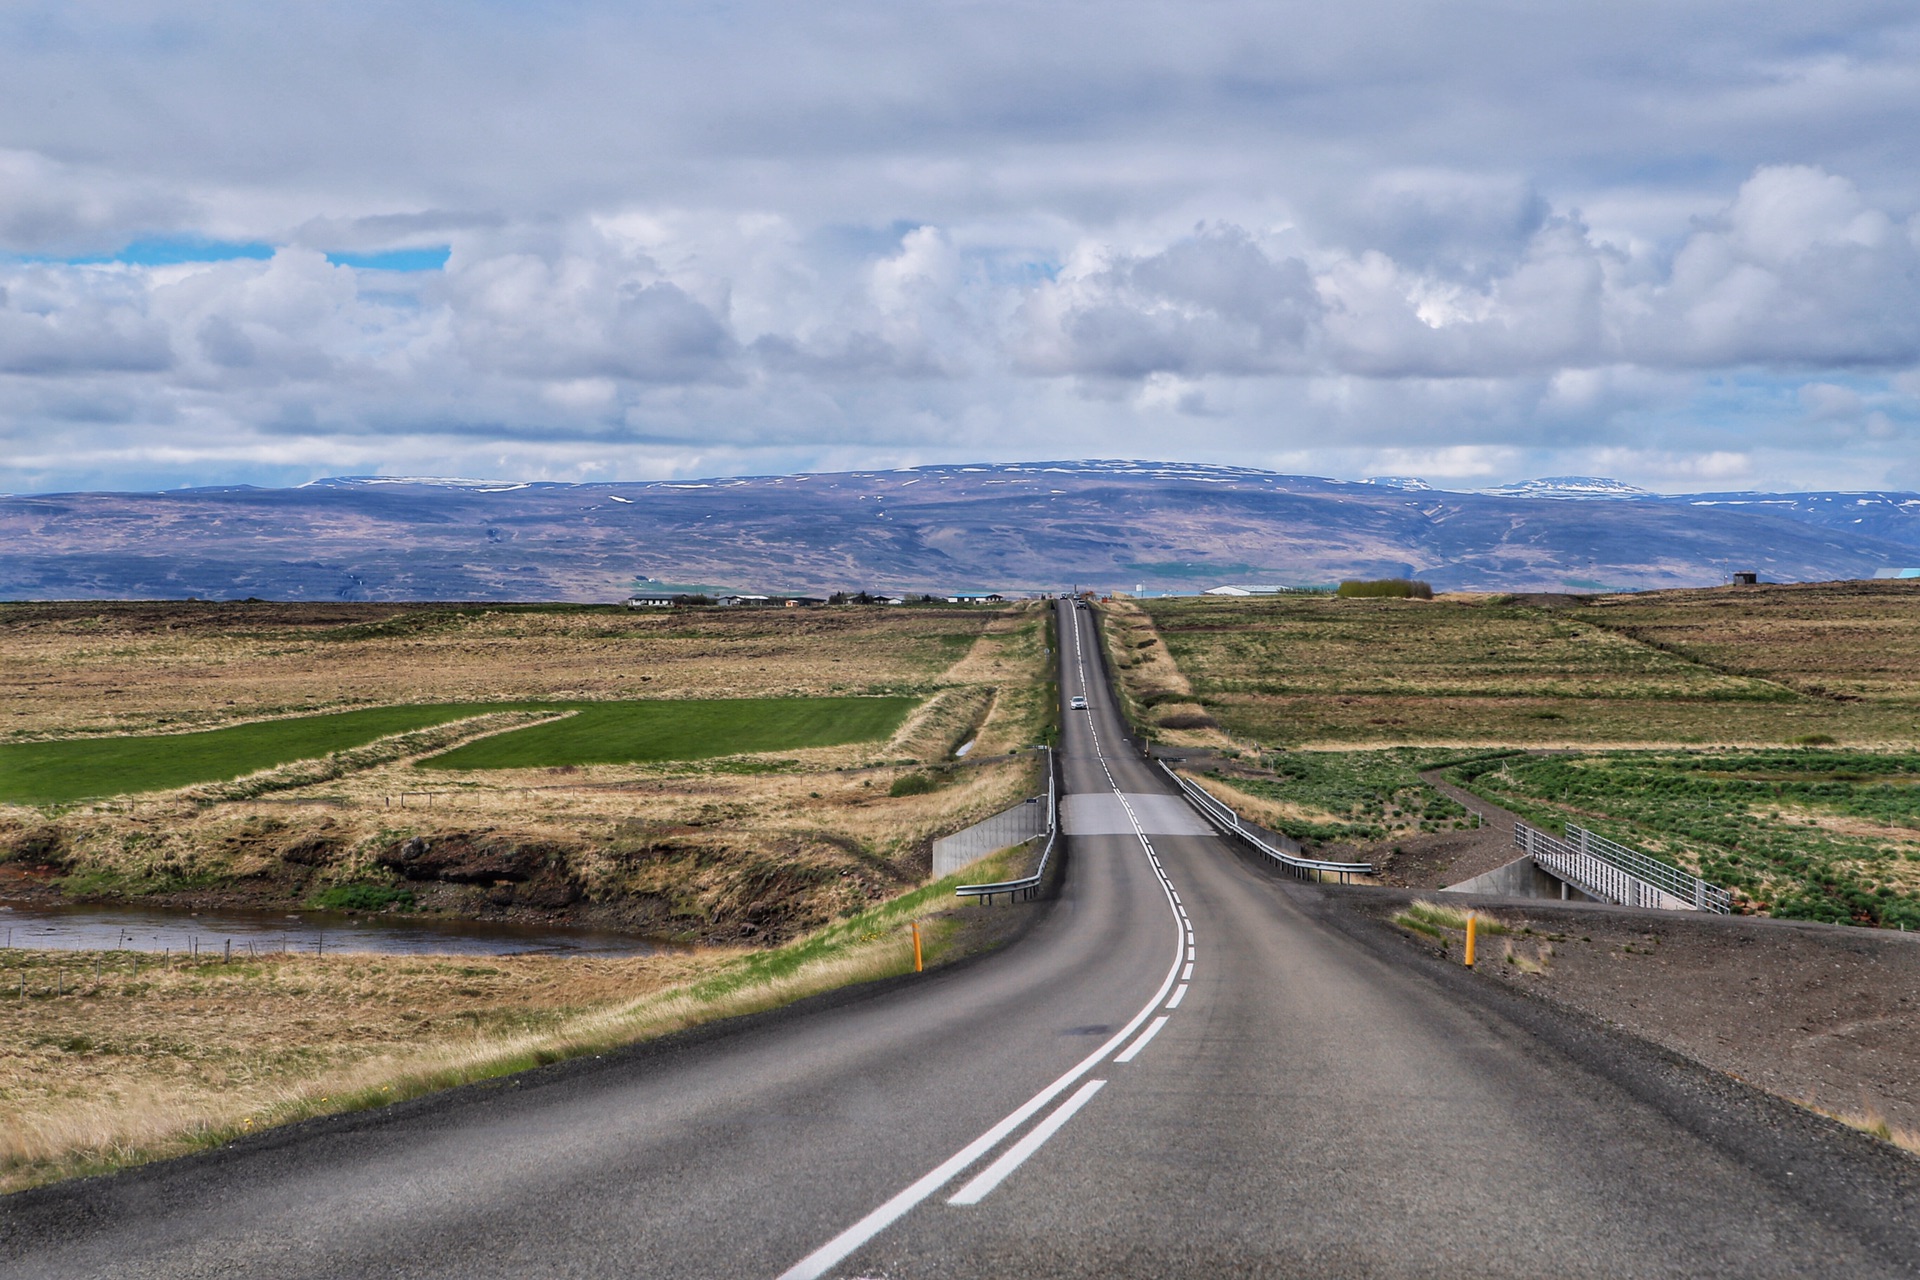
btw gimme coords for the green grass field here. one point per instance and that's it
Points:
(78, 768)
(601, 733)
(681, 729)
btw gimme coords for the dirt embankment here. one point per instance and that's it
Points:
(1448, 857)
(654, 879)
(1826, 1015)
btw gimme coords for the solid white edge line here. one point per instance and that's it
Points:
(1178, 996)
(1016, 1155)
(1146, 1037)
(828, 1255)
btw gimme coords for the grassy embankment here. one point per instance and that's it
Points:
(1309, 691)
(102, 1066)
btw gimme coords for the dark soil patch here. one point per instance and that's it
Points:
(1825, 1015)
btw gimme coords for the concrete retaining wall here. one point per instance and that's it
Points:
(1521, 878)
(1022, 822)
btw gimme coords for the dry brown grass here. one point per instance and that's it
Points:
(1154, 689)
(1851, 639)
(1742, 666)
(129, 1063)
(1274, 814)
(70, 668)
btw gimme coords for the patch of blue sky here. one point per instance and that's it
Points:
(1802, 392)
(172, 251)
(165, 251)
(432, 259)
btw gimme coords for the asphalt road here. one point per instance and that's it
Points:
(1185, 1067)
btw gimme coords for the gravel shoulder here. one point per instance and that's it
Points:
(1824, 1015)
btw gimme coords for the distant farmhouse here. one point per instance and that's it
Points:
(1244, 591)
(747, 600)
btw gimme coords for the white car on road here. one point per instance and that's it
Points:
(1078, 703)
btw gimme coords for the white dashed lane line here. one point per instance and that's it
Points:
(831, 1254)
(1146, 1037)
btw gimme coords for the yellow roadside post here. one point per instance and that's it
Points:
(916, 947)
(1471, 918)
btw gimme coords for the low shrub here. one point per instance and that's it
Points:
(1385, 588)
(911, 784)
(361, 897)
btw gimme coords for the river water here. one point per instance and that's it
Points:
(132, 928)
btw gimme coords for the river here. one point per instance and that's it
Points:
(134, 928)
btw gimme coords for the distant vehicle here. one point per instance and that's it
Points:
(1079, 703)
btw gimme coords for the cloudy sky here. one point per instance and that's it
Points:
(1473, 242)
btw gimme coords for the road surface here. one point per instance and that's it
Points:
(1184, 1068)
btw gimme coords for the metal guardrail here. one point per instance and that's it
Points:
(1027, 886)
(1611, 871)
(1226, 819)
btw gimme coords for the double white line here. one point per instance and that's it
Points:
(828, 1255)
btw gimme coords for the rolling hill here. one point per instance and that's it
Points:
(1038, 526)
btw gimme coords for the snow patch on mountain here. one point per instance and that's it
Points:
(1570, 487)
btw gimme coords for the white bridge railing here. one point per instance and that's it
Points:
(1611, 871)
(1226, 819)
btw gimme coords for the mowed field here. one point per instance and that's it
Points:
(681, 729)
(64, 770)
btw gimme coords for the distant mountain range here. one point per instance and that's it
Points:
(1025, 526)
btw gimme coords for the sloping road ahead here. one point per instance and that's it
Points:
(1182, 1069)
